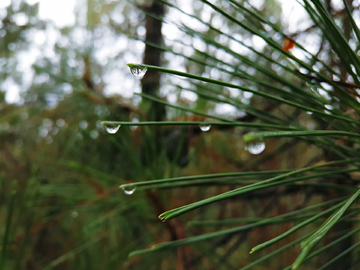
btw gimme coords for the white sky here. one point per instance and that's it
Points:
(61, 12)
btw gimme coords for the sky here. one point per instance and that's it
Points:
(61, 12)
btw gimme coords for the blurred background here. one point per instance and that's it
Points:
(63, 71)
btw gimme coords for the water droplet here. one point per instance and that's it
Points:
(309, 113)
(128, 190)
(205, 127)
(112, 129)
(329, 107)
(255, 147)
(74, 214)
(138, 71)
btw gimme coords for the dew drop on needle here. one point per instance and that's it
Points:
(255, 147)
(205, 127)
(112, 129)
(138, 71)
(129, 190)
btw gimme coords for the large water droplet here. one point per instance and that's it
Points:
(255, 147)
(205, 127)
(112, 129)
(128, 190)
(138, 71)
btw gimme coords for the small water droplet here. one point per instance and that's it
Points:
(255, 147)
(309, 113)
(205, 127)
(128, 190)
(112, 129)
(74, 214)
(138, 71)
(329, 107)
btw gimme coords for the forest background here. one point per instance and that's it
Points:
(61, 166)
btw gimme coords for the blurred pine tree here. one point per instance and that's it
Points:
(67, 211)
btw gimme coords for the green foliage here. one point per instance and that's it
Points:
(327, 110)
(66, 210)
